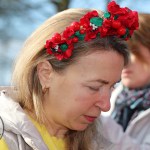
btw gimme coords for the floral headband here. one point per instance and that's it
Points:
(120, 22)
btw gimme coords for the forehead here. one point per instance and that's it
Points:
(98, 64)
(103, 58)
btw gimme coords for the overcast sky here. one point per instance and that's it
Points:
(139, 5)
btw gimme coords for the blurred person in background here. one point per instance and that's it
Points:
(131, 99)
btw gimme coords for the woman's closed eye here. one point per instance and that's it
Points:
(93, 88)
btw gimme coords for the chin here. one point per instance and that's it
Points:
(128, 83)
(80, 127)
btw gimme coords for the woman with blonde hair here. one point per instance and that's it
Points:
(64, 76)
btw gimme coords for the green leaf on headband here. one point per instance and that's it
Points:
(106, 15)
(64, 47)
(96, 21)
(116, 17)
(126, 34)
(79, 35)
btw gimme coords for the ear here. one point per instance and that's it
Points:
(44, 71)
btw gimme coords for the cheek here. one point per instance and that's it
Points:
(84, 100)
(80, 103)
(73, 98)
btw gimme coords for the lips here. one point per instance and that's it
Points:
(126, 72)
(90, 118)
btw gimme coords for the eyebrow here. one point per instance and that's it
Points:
(100, 81)
(103, 81)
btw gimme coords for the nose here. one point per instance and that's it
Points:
(104, 101)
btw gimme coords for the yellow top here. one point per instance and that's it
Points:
(3, 145)
(53, 143)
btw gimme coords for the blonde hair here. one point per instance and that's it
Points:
(25, 76)
(142, 36)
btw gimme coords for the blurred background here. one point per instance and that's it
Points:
(18, 19)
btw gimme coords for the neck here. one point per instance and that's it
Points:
(51, 123)
(54, 129)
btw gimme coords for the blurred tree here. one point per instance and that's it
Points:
(18, 18)
(61, 4)
(17, 15)
(107, 1)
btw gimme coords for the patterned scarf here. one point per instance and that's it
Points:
(130, 103)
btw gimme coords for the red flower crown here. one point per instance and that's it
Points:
(120, 22)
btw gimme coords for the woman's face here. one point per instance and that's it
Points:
(137, 73)
(77, 96)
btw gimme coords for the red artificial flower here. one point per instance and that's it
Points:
(53, 47)
(115, 9)
(66, 54)
(103, 31)
(85, 23)
(121, 23)
(132, 21)
(76, 26)
(85, 20)
(68, 32)
(91, 35)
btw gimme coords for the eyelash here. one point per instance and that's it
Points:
(93, 89)
(97, 89)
